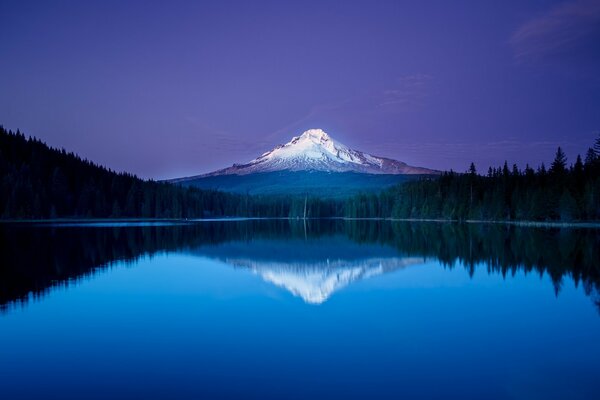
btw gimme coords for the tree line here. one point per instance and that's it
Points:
(559, 193)
(39, 182)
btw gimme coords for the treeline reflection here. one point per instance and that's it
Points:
(34, 259)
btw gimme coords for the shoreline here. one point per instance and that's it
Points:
(93, 221)
(530, 224)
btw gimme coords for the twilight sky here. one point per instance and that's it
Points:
(167, 89)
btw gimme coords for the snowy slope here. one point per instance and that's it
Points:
(315, 150)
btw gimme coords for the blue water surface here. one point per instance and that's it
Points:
(218, 320)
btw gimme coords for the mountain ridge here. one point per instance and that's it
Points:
(315, 150)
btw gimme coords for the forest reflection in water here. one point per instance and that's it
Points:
(312, 259)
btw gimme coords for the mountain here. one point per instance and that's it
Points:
(311, 161)
(315, 150)
(40, 182)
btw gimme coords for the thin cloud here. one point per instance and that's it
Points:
(559, 30)
(409, 91)
(214, 138)
(406, 93)
(315, 112)
(502, 148)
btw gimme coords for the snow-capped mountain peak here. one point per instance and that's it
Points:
(315, 150)
(316, 135)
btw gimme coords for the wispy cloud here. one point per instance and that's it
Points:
(501, 146)
(560, 29)
(457, 154)
(315, 112)
(441, 147)
(215, 138)
(405, 94)
(409, 91)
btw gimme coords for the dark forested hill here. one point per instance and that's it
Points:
(41, 182)
(37, 181)
(561, 193)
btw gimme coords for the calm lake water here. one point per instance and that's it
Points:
(286, 309)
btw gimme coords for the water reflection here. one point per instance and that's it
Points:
(312, 260)
(311, 268)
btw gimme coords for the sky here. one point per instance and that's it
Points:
(171, 89)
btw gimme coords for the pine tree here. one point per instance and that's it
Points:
(578, 167)
(472, 169)
(515, 170)
(505, 170)
(590, 157)
(559, 165)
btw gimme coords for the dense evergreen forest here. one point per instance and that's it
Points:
(39, 182)
(560, 193)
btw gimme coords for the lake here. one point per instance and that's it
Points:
(280, 309)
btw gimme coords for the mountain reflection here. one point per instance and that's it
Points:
(311, 260)
(311, 268)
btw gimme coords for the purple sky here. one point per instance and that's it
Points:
(180, 88)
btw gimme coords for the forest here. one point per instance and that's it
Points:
(40, 182)
(560, 193)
